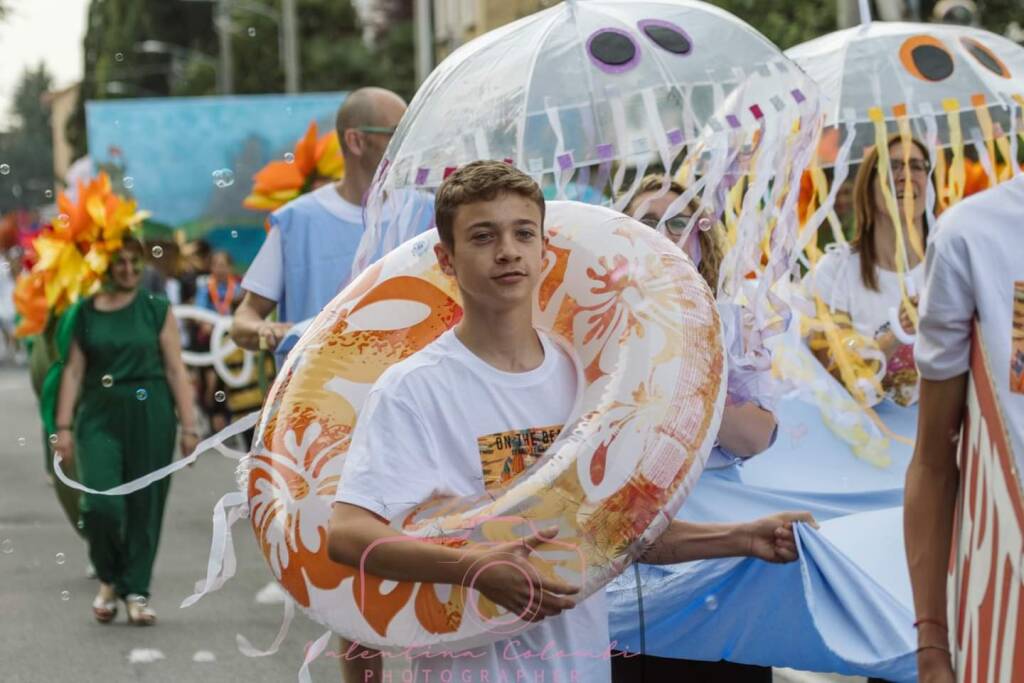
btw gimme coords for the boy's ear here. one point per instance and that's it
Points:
(444, 259)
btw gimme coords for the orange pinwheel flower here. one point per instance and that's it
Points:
(314, 159)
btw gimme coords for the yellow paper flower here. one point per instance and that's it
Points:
(74, 251)
(315, 160)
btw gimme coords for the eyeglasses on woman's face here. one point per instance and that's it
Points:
(675, 226)
(916, 166)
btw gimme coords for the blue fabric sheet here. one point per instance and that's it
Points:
(843, 607)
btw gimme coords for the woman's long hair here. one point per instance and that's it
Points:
(712, 243)
(864, 210)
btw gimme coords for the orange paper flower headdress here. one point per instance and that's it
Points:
(74, 252)
(279, 182)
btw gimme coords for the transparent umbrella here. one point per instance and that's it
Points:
(956, 89)
(588, 95)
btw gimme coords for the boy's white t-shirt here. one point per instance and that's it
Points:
(836, 279)
(444, 421)
(975, 268)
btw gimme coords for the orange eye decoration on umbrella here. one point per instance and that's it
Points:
(926, 58)
(985, 57)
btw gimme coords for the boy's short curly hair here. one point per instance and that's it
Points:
(480, 181)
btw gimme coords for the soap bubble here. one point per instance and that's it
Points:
(128, 182)
(711, 603)
(4, 169)
(65, 595)
(158, 251)
(220, 397)
(141, 394)
(119, 57)
(48, 194)
(234, 234)
(22, 441)
(252, 31)
(289, 157)
(53, 438)
(107, 381)
(223, 177)
(60, 558)
(7, 546)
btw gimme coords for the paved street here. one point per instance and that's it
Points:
(45, 637)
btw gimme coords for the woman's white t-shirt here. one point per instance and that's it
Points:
(836, 279)
(445, 422)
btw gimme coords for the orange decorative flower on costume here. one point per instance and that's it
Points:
(74, 252)
(315, 160)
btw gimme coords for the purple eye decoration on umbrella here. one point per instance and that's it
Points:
(612, 50)
(667, 36)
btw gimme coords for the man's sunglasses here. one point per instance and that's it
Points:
(380, 130)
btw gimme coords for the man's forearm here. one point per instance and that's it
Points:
(245, 328)
(687, 541)
(929, 503)
(930, 493)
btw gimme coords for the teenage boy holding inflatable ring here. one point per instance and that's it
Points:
(492, 373)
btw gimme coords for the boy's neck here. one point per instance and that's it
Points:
(505, 340)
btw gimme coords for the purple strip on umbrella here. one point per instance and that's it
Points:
(422, 174)
(565, 161)
(675, 137)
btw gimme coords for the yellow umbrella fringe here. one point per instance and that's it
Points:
(957, 169)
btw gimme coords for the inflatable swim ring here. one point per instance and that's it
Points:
(644, 332)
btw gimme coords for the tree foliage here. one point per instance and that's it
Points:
(332, 51)
(26, 150)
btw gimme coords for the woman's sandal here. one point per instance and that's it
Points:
(104, 610)
(139, 611)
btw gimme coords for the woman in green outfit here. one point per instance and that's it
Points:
(121, 382)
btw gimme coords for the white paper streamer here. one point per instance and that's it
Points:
(221, 564)
(247, 649)
(142, 482)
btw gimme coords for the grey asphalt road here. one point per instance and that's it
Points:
(46, 628)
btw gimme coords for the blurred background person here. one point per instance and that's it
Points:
(121, 383)
(861, 280)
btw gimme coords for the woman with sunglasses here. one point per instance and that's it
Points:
(861, 280)
(122, 380)
(748, 424)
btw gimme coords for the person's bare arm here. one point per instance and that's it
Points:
(361, 539)
(929, 503)
(249, 324)
(179, 382)
(67, 397)
(746, 429)
(769, 538)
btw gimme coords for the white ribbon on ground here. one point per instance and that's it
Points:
(314, 651)
(221, 564)
(247, 649)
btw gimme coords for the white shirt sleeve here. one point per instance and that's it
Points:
(390, 467)
(265, 276)
(943, 347)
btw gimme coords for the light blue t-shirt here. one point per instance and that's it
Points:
(307, 256)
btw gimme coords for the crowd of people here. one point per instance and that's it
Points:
(125, 396)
